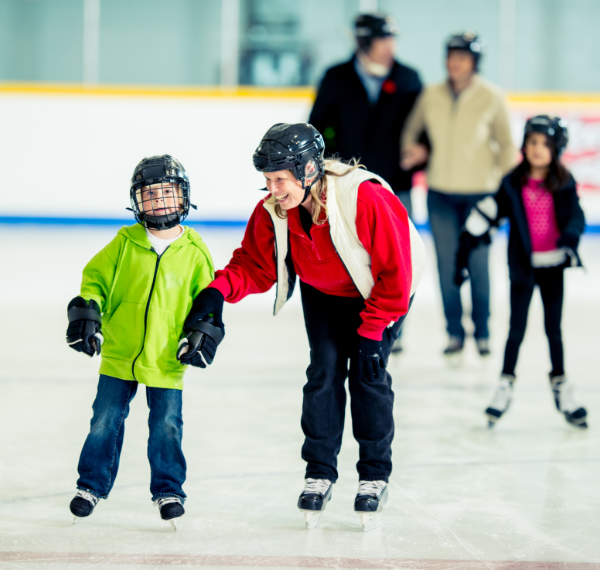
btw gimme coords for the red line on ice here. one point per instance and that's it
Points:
(284, 561)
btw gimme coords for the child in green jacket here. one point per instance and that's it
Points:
(140, 289)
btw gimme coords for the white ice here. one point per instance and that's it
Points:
(525, 495)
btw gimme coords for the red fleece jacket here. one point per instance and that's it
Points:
(383, 230)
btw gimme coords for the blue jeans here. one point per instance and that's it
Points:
(99, 460)
(447, 216)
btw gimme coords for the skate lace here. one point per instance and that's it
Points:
(160, 503)
(371, 487)
(317, 486)
(564, 393)
(502, 396)
(88, 497)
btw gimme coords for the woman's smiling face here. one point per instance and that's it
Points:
(288, 191)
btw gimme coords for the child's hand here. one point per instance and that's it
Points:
(84, 333)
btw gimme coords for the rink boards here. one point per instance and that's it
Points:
(71, 150)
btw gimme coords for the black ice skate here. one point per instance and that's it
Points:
(170, 509)
(565, 403)
(82, 505)
(314, 499)
(453, 352)
(369, 502)
(502, 399)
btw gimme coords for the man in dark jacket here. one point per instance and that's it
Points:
(362, 105)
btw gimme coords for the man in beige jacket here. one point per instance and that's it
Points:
(467, 124)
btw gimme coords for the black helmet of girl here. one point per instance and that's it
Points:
(553, 127)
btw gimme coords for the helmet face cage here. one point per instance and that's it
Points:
(160, 193)
(553, 127)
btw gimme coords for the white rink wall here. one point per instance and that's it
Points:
(71, 154)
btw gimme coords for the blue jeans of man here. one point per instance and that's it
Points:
(447, 216)
(99, 460)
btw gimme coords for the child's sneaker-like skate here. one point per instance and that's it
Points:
(314, 499)
(565, 403)
(82, 505)
(370, 499)
(483, 347)
(502, 399)
(170, 509)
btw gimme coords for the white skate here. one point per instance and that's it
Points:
(314, 499)
(565, 402)
(501, 401)
(369, 502)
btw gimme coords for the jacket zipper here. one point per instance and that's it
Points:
(146, 315)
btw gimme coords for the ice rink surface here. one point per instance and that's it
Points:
(525, 496)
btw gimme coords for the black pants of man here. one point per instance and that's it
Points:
(550, 280)
(331, 325)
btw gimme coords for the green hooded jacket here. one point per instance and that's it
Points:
(144, 300)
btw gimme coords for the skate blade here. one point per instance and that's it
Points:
(370, 521)
(173, 524)
(311, 519)
(74, 520)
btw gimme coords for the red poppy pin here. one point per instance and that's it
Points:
(389, 87)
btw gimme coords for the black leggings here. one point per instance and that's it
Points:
(551, 283)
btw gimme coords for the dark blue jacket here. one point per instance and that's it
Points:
(354, 128)
(569, 217)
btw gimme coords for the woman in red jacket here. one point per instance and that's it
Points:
(347, 237)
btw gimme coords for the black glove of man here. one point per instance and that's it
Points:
(467, 244)
(84, 333)
(568, 239)
(205, 329)
(367, 360)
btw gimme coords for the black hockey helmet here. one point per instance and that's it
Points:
(553, 127)
(369, 26)
(166, 171)
(467, 41)
(288, 146)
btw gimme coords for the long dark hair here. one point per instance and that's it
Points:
(557, 175)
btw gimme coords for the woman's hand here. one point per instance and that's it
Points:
(413, 155)
(367, 359)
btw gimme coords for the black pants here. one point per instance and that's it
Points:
(551, 283)
(331, 324)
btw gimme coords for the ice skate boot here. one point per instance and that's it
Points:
(369, 502)
(483, 347)
(453, 352)
(170, 509)
(82, 505)
(502, 399)
(565, 403)
(314, 499)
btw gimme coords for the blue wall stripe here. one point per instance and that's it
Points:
(220, 224)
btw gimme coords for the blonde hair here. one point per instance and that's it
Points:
(318, 192)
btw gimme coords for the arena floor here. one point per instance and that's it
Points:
(524, 496)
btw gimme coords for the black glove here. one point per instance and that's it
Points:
(208, 302)
(467, 244)
(84, 333)
(568, 239)
(367, 360)
(205, 330)
(199, 347)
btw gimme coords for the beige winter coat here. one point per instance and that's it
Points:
(471, 144)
